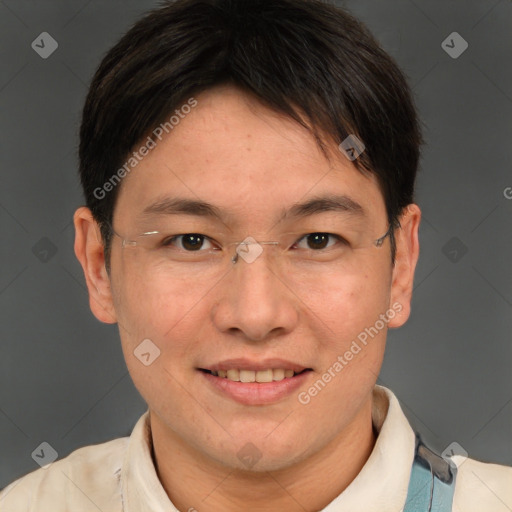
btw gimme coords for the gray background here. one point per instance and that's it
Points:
(63, 377)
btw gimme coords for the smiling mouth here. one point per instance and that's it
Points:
(261, 376)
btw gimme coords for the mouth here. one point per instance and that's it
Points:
(255, 384)
(260, 376)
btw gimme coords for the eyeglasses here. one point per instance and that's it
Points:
(176, 252)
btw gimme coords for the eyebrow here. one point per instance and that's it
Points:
(328, 203)
(312, 206)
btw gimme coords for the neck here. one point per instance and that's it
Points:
(306, 486)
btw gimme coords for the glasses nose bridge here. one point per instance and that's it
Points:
(251, 249)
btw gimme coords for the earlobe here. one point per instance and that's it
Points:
(407, 253)
(89, 251)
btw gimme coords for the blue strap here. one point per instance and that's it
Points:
(432, 482)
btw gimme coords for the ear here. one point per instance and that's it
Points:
(89, 251)
(407, 252)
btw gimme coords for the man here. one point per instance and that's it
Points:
(249, 168)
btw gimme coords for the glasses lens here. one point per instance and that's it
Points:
(181, 251)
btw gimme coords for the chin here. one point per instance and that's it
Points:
(259, 455)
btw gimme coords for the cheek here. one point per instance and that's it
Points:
(149, 303)
(158, 318)
(151, 308)
(351, 344)
(350, 301)
(349, 322)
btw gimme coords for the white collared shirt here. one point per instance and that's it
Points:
(119, 476)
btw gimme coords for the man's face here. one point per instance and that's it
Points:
(270, 313)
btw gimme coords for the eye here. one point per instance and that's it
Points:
(189, 242)
(319, 241)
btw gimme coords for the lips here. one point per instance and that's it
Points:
(253, 382)
(254, 365)
(267, 375)
(256, 393)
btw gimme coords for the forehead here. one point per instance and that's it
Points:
(245, 159)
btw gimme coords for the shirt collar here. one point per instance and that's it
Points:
(140, 487)
(381, 485)
(383, 482)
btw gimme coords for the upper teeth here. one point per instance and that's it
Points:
(254, 376)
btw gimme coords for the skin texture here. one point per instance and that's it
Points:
(234, 153)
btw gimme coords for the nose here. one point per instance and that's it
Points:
(255, 303)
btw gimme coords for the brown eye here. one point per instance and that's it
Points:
(317, 241)
(192, 242)
(189, 242)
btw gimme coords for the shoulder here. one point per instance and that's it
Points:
(481, 486)
(85, 479)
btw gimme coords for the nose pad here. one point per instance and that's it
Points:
(249, 250)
